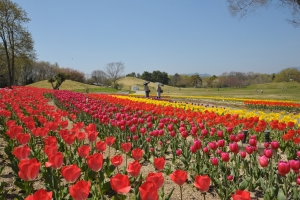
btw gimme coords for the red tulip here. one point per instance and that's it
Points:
(274, 145)
(202, 183)
(110, 140)
(21, 152)
(134, 168)
(298, 180)
(126, 147)
(266, 145)
(23, 138)
(81, 190)
(159, 163)
(232, 138)
(92, 135)
(120, 183)
(84, 151)
(179, 177)
(241, 195)
(249, 149)
(50, 149)
(29, 169)
(283, 168)
(71, 173)
(253, 142)
(156, 178)
(50, 140)
(205, 150)
(90, 127)
(214, 161)
(221, 143)
(241, 136)
(137, 153)
(116, 160)
(220, 134)
(225, 156)
(178, 152)
(40, 195)
(148, 191)
(101, 146)
(230, 177)
(193, 149)
(213, 145)
(95, 162)
(243, 154)
(295, 165)
(55, 160)
(234, 147)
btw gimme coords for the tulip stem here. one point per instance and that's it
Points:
(204, 195)
(99, 181)
(126, 160)
(180, 192)
(286, 187)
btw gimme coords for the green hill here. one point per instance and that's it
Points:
(280, 91)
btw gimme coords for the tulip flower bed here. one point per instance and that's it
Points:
(273, 105)
(116, 147)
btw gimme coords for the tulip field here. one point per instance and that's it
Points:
(58, 144)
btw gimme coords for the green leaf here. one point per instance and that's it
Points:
(170, 194)
(280, 195)
(105, 187)
(244, 184)
(92, 175)
(109, 171)
(267, 196)
(295, 193)
(20, 184)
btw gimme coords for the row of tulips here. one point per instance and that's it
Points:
(186, 105)
(200, 150)
(133, 125)
(272, 105)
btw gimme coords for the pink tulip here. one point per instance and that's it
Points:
(268, 153)
(263, 161)
(283, 168)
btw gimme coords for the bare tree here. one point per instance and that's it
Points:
(15, 39)
(115, 71)
(242, 7)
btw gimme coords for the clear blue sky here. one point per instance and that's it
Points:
(173, 36)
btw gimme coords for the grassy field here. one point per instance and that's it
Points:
(291, 90)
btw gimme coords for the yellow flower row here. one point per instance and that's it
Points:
(281, 116)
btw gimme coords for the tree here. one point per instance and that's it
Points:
(73, 74)
(99, 76)
(287, 75)
(59, 79)
(115, 71)
(15, 41)
(132, 74)
(242, 7)
(147, 76)
(195, 80)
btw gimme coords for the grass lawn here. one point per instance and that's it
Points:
(291, 90)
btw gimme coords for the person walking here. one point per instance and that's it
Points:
(146, 89)
(158, 91)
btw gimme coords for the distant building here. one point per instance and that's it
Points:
(99, 84)
(135, 88)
